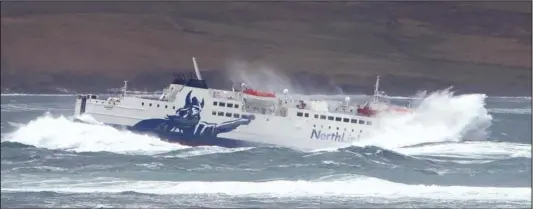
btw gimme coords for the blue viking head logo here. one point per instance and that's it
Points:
(186, 122)
(189, 114)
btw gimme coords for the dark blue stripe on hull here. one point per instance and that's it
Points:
(174, 137)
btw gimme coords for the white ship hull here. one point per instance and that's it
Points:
(302, 133)
(192, 114)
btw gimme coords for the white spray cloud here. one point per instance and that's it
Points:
(440, 117)
(258, 75)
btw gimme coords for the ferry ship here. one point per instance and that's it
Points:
(190, 113)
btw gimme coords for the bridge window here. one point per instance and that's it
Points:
(220, 114)
(299, 114)
(323, 117)
(230, 105)
(346, 120)
(150, 104)
(329, 127)
(330, 117)
(316, 116)
(236, 115)
(337, 128)
(214, 112)
(173, 107)
(142, 104)
(236, 105)
(354, 121)
(166, 106)
(222, 104)
(157, 105)
(361, 122)
(368, 122)
(228, 114)
(338, 119)
(306, 115)
(215, 103)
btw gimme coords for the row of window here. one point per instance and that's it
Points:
(329, 127)
(323, 117)
(166, 106)
(299, 114)
(223, 104)
(227, 114)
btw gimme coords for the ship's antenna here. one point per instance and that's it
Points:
(198, 75)
(243, 86)
(125, 88)
(376, 90)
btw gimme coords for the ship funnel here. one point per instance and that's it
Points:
(198, 75)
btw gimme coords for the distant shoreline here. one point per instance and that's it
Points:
(8, 94)
(337, 49)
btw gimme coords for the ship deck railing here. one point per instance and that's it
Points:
(227, 95)
(260, 110)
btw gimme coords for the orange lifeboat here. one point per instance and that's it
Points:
(259, 93)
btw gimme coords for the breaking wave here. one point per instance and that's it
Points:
(63, 134)
(344, 187)
(439, 117)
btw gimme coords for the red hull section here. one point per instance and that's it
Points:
(366, 111)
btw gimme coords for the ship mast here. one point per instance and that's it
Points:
(376, 90)
(125, 88)
(198, 75)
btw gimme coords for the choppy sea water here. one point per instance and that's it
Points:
(455, 151)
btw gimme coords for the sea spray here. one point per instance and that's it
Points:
(440, 117)
(63, 134)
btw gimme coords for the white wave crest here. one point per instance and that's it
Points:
(440, 117)
(354, 187)
(63, 134)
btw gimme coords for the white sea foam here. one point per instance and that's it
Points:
(476, 150)
(347, 187)
(440, 117)
(63, 134)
